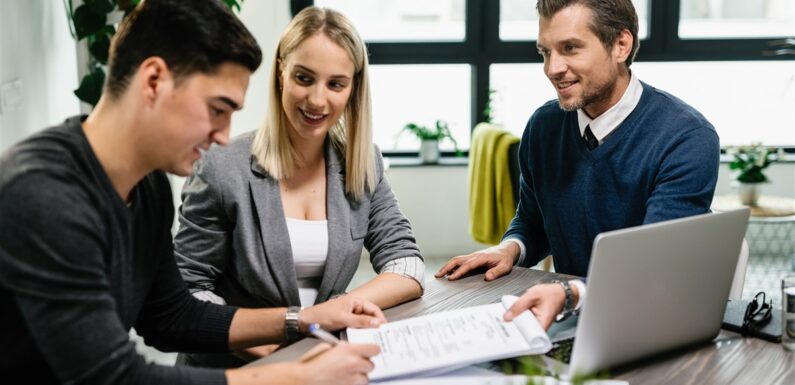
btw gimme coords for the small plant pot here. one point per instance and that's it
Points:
(748, 193)
(429, 151)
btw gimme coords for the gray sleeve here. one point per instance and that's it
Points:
(410, 267)
(389, 235)
(208, 296)
(203, 243)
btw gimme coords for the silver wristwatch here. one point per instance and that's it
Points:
(292, 332)
(568, 304)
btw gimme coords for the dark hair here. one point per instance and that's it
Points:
(610, 17)
(189, 35)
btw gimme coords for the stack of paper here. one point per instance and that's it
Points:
(445, 341)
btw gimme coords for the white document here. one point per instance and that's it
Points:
(441, 342)
(470, 375)
(456, 380)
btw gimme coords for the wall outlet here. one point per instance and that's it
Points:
(11, 96)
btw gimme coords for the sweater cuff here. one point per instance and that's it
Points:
(523, 250)
(581, 289)
(215, 325)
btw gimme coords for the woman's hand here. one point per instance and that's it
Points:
(342, 312)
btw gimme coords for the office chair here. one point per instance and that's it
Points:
(493, 182)
(739, 273)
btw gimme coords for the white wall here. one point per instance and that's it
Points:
(434, 199)
(37, 50)
(266, 20)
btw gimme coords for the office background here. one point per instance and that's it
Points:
(748, 98)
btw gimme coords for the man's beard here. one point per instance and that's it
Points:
(598, 94)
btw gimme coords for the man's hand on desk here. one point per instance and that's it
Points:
(342, 312)
(498, 260)
(544, 300)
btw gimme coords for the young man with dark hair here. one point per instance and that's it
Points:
(610, 153)
(86, 212)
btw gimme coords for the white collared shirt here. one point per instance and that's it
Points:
(604, 124)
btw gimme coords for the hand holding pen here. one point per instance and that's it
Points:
(323, 335)
(338, 361)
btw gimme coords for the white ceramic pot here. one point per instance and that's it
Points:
(429, 151)
(748, 193)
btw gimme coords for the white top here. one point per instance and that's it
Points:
(309, 242)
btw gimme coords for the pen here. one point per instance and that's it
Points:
(325, 336)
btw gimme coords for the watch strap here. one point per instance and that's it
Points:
(292, 331)
(568, 303)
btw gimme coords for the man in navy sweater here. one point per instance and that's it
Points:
(610, 153)
(86, 213)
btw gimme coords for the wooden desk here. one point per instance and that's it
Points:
(728, 359)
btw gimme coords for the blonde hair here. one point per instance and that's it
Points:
(352, 135)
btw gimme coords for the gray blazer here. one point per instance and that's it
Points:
(233, 237)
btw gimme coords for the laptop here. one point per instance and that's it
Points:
(652, 289)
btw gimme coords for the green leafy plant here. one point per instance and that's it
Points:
(488, 110)
(749, 161)
(93, 21)
(534, 368)
(440, 132)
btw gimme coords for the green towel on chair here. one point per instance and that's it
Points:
(491, 201)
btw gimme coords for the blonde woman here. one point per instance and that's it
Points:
(280, 216)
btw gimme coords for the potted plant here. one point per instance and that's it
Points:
(748, 163)
(430, 138)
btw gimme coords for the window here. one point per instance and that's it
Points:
(730, 59)
(736, 19)
(519, 19)
(404, 20)
(733, 107)
(410, 94)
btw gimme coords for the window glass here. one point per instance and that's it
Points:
(404, 20)
(736, 18)
(519, 19)
(420, 94)
(519, 90)
(747, 101)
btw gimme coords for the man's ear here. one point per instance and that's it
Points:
(154, 78)
(622, 47)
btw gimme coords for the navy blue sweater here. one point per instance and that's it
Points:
(661, 163)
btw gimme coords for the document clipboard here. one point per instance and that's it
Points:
(441, 342)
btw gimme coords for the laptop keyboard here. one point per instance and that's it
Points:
(561, 350)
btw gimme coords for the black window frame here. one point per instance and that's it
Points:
(482, 47)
